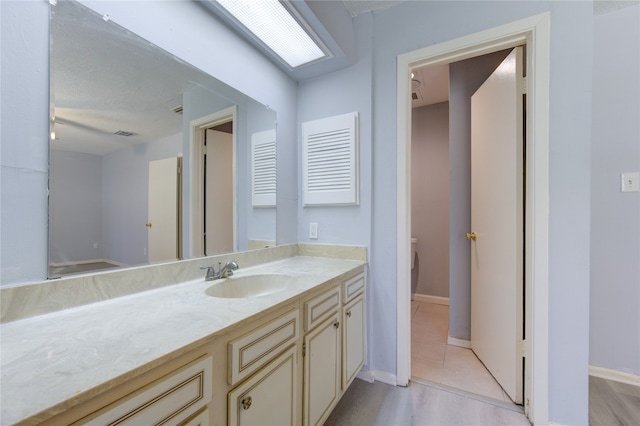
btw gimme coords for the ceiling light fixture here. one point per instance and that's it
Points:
(275, 26)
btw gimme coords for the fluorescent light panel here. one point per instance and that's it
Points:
(272, 23)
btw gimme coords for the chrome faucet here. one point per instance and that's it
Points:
(223, 271)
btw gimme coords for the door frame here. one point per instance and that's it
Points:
(534, 32)
(197, 129)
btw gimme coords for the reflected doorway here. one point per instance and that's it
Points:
(213, 193)
(218, 189)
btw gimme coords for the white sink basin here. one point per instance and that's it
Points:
(250, 286)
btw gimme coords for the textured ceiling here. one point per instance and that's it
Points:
(97, 89)
(605, 6)
(356, 7)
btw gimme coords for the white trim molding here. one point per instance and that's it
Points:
(534, 32)
(371, 376)
(459, 342)
(427, 298)
(614, 375)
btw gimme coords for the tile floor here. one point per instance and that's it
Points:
(433, 360)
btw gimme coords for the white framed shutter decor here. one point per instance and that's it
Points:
(330, 161)
(263, 168)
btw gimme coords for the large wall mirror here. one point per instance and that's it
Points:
(151, 159)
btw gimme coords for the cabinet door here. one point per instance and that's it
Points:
(353, 346)
(321, 370)
(269, 396)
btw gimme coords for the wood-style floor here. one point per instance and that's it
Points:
(418, 404)
(451, 387)
(613, 403)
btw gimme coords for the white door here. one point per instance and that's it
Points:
(218, 200)
(497, 249)
(164, 187)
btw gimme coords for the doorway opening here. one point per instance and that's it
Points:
(213, 183)
(533, 33)
(444, 157)
(218, 192)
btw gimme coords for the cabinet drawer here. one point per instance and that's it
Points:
(353, 287)
(321, 307)
(252, 351)
(167, 401)
(200, 419)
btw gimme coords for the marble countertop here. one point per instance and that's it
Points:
(52, 361)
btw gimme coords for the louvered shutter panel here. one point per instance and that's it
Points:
(263, 167)
(330, 160)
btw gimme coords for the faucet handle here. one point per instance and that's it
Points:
(211, 272)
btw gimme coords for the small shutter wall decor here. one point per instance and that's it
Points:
(263, 167)
(330, 160)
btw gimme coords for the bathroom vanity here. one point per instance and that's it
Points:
(190, 353)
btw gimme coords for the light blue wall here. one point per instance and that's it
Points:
(338, 93)
(75, 227)
(24, 139)
(615, 216)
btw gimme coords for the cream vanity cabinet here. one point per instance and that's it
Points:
(285, 366)
(265, 364)
(353, 329)
(268, 386)
(333, 348)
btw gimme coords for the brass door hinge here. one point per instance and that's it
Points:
(304, 350)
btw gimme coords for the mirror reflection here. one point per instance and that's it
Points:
(151, 160)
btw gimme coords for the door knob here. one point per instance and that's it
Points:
(148, 225)
(472, 236)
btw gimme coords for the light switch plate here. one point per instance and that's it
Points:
(630, 182)
(313, 231)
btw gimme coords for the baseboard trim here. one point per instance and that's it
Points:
(614, 375)
(430, 299)
(459, 342)
(380, 376)
(366, 376)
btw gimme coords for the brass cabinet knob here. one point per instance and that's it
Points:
(246, 403)
(349, 314)
(148, 225)
(336, 324)
(472, 236)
